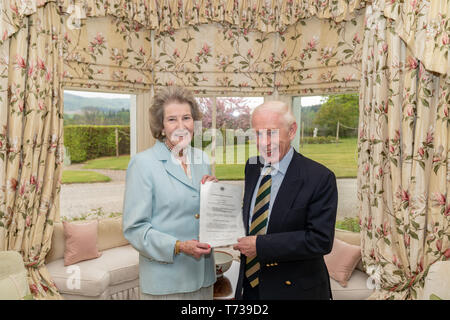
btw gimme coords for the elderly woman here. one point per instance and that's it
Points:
(162, 203)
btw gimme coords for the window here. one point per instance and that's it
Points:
(98, 136)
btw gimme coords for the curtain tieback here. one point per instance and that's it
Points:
(34, 264)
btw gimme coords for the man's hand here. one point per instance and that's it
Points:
(246, 245)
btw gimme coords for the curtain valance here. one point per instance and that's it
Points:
(167, 15)
(425, 28)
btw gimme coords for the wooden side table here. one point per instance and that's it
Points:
(225, 286)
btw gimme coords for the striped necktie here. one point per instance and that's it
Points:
(259, 223)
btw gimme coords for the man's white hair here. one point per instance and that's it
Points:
(279, 107)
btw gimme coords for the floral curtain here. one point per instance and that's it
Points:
(107, 53)
(168, 15)
(424, 26)
(315, 56)
(404, 168)
(4, 64)
(213, 47)
(31, 143)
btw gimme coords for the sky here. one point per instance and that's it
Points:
(254, 101)
(311, 101)
(91, 94)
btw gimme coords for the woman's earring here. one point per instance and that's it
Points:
(163, 133)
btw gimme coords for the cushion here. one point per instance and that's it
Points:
(110, 234)
(356, 288)
(57, 245)
(115, 266)
(80, 242)
(124, 291)
(13, 276)
(437, 281)
(342, 260)
(351, 238)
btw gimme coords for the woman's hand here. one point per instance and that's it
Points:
(195, 248)
(209, 178)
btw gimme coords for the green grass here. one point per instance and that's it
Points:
(111, 163)
(340, 158)
(230, 171)
(79, 176)
(349, 224)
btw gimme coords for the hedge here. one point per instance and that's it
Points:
(85, 142)
(319, 140)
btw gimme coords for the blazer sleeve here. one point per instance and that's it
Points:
(316, 239)
(137, 216)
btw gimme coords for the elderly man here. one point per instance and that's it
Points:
(289, 211)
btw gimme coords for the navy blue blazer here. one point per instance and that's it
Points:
(300, 232)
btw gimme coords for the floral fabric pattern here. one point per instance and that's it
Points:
(31, 144)
(403, 170)
(316, 56)
(166, 15)
(107, 53)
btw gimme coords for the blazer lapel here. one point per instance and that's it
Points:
(196, 168)
(172, 167)
(250, 184)
(287, 193)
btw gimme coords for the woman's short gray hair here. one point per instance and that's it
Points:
(163, 97)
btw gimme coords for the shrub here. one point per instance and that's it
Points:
(319, 140)
(85, 142)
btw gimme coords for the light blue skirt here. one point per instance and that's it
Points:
(205, 293)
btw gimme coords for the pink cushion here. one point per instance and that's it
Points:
(342, 260)
(80, 242)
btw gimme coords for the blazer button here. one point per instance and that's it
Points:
(288, 283)
(197, 216)
(268, 265)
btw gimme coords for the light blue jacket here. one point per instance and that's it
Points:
(159, 208)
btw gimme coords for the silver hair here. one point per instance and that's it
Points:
(279, 107)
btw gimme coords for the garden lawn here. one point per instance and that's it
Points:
(341, 158)
(109, 163)
(80, 176)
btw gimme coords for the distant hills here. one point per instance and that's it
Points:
(75, 104)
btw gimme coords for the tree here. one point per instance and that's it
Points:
(343, 108)
(232, 113)
(97, 116)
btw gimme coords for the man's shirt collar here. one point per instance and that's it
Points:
(282, 165)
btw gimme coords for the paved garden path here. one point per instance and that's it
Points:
(82, 198)
(79, 199)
